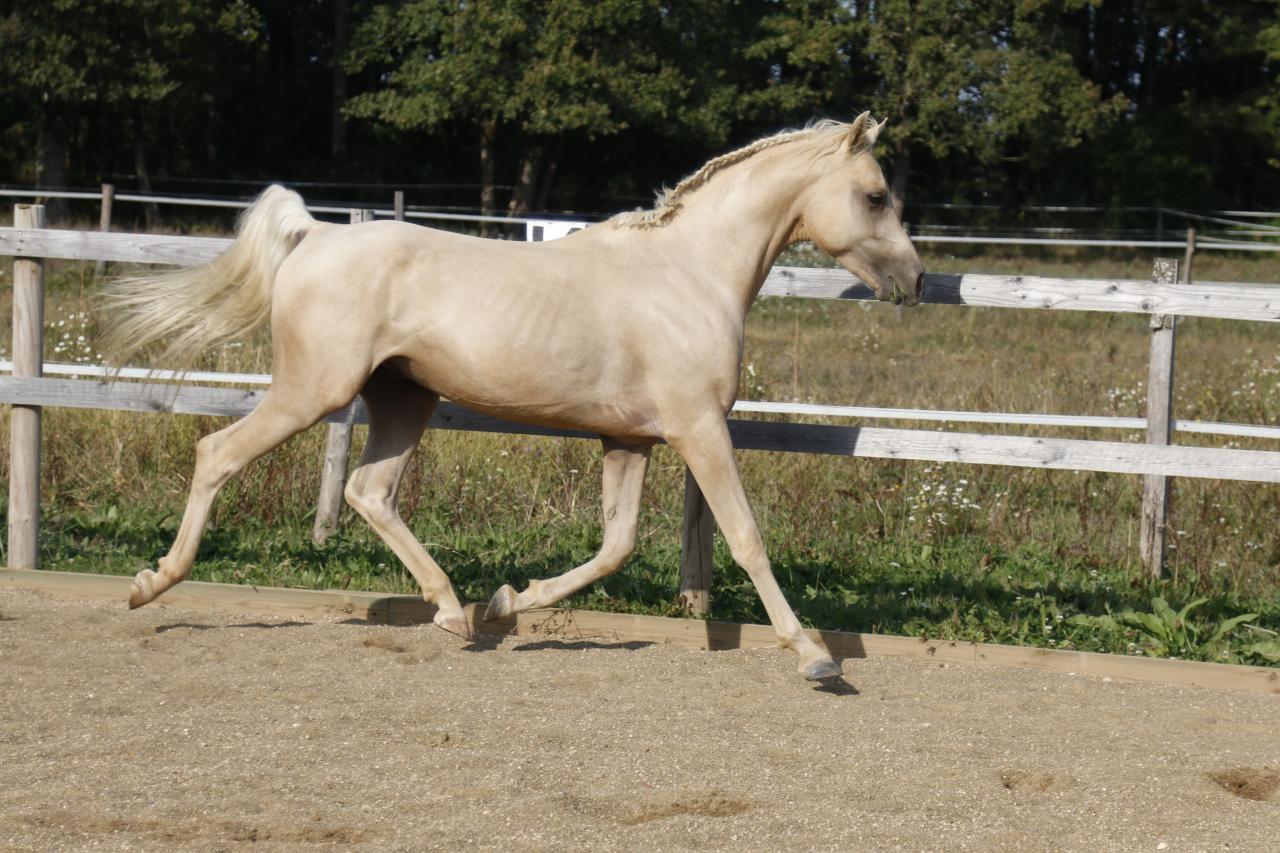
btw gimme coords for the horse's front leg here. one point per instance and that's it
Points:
(624, 469)
(708, 451)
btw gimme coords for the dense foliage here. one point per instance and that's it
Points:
(590, 104)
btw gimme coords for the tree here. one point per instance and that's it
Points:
(517, 74)
(1201, 80)
(62, 58)
(804, 64)
(975, 80)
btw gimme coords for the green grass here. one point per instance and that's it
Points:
(966, 552)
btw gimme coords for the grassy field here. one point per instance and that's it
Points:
(981, 553)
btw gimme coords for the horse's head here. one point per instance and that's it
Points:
(849, 214)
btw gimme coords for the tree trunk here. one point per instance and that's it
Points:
(526, 187)
(548, 176)
(338, 127)
(901, 175)
(488, 185)
(51, 167)
(150, 210)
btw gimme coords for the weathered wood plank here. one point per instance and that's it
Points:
(877, 443)
(333, 479)
(1226, 300)
(99, 246)
(1016, 451)
(24, 420)
(104, 223)
(698, 532)
(270, 601)
(129, 396)
(157, 398)
(686, 633)
(1205, 299)
(1155, 487)
(865, 412)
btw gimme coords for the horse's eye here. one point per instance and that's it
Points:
(876, 200)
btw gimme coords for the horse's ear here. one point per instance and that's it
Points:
(863, 131)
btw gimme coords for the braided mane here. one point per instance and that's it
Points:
(669, 201)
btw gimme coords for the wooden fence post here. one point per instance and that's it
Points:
(398, 205)
(24, 429)
(104, 222)
(696, 548)
(337, 450)
(1191, 253)
(1155, 487)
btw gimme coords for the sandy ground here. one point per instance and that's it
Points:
(164, 729)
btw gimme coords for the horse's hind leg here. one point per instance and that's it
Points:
(398, 413)
(219, 456)
(624, 469)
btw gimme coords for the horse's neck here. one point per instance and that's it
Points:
(730, 231)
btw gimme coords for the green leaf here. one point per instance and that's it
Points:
(1150, 624)
(1226, 627)
(1162, 609)
(1182, 614)
(1267, 650)
(1106, 623)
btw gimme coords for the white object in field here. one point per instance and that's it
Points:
(539, 230)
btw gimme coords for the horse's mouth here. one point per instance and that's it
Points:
(899, 296)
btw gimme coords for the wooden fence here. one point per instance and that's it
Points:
(1157, 460)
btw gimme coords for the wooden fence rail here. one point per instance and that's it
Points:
(1225, 300)
(1158, 459)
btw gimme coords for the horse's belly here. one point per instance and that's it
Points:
(615, 419)
(612, 411)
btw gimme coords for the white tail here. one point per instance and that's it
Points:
(193, 310)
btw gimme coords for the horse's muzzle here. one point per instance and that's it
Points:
(901, 296)
(914, 297)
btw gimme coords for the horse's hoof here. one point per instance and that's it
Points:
(821, 669)
(457, 625)
(143, 591)
(502, 604)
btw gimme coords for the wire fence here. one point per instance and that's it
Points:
(1217, 230)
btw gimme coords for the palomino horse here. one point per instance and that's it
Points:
(631, 329)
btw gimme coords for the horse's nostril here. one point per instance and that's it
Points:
(920, 285)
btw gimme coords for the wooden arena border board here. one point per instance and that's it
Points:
(386, 608)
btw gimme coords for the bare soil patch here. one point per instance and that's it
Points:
(1248, 782)
(163, 729)
(1022, 780)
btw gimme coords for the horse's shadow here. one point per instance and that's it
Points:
(197, 626)
(579, 645)
(837, 686)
